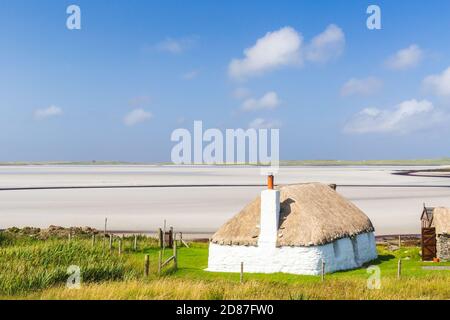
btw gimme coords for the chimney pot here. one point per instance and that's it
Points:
(270, 182)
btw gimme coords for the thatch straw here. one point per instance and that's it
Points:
(310, 214)
(441, 220)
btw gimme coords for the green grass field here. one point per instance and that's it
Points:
(36, 269)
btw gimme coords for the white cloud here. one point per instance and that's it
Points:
(439, 84)
(405, 58)
(364, 86)
(327, 45)
(408, 116)
(260, 123)
(137, 116)
(190, 75)
(176, 46)
(283, 48)
(241, 93)
(51, 111)
(276, 49)
(268, 101)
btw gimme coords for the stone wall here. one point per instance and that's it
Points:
(342, 254)
(443, 246)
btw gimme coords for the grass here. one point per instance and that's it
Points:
(174, 289)
(39, 266)
(36, 269)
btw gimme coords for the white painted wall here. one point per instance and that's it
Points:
(270, 216)
(339, 255)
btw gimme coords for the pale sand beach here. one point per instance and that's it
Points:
(393, 202)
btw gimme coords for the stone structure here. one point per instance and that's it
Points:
(438, 220)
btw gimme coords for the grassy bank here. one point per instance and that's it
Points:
(36, 269)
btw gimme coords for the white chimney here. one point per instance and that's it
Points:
(270, 215)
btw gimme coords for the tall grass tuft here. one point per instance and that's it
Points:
(42, 264)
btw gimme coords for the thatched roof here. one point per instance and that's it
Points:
(441, 220)
(310, 214)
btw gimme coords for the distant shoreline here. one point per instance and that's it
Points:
(283, 163)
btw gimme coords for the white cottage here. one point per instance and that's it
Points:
(292, 230)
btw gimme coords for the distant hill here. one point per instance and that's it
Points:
(408, 162)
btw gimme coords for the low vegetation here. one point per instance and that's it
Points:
(31, 266)
(324, 162)
(411, 162)
(35, 268)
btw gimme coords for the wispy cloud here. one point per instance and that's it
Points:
(190, 75)
(438, 84)
(261, 123)
(268, 101)
(137, 116)
(405, 58)
(241, 93)
(366, 86)
(276, 49)
(176, 45)
(406, 117)
(284, 47)
(327, 45)
(49, 112)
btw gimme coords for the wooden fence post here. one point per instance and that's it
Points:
(164, 237)
(241, 278)
(159, 262)
(120, 246)
(93, 240)
(70, 236)
(399, 269)
(160, 236)
(110, 242)
(104, 234)
(182, 241)
(175, 258)
(135, 243)
(146, 265)
(323, 271)
(399, 241)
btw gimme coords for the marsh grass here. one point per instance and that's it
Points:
(36, 269)
(43, 264)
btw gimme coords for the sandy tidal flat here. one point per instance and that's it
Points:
(393, 202)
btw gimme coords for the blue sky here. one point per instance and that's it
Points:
(137, 70)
